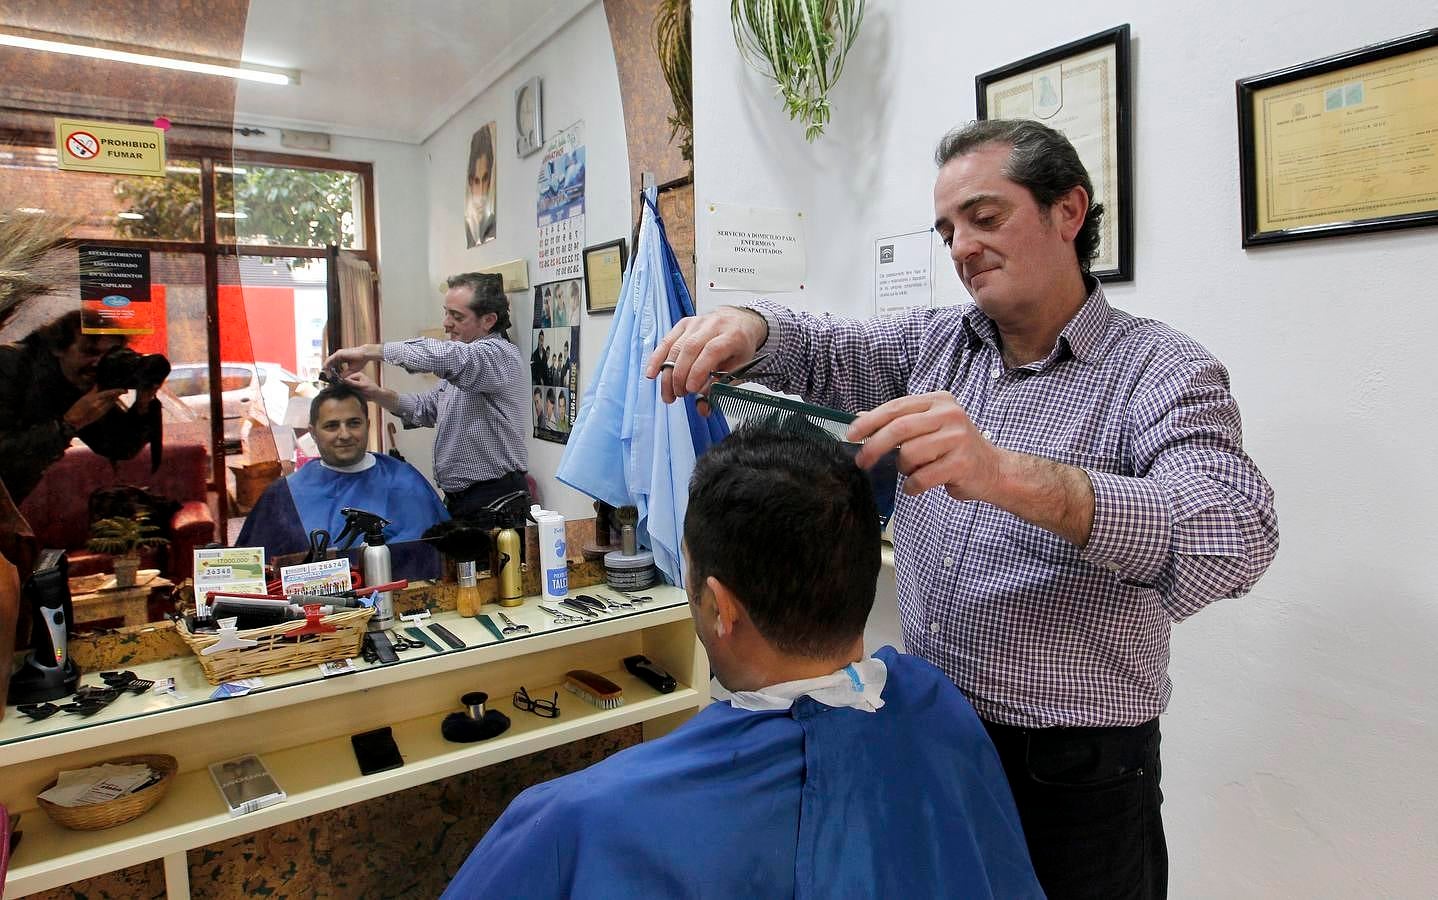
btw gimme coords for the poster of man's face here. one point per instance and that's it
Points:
(479, 188)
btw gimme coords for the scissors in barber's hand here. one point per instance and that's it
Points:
(719, 376)
(510, 627)
(561, 618)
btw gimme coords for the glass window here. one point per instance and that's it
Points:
(288, 207)
(104, 206)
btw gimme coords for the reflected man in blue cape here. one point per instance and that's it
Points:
(819, 771)
(345, 475)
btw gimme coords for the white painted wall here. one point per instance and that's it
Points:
(581, 81)
(1301, 737)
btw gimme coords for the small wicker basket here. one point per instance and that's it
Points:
(276, 651)
(121, 809)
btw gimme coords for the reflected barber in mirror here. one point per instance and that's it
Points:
(480, 408)
(1076, 483)
(347, 475)
(59, 383)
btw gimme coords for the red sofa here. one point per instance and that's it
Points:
(59, 508)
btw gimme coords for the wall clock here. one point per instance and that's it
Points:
(528, 118)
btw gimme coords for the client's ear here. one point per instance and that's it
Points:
(728, 606)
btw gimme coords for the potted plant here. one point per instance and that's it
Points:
(801, 44)
(123, 537)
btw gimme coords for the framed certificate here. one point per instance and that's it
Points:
(1341, 145)
(604, 275)
(1082, 90)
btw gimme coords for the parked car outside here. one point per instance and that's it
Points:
(259, 391)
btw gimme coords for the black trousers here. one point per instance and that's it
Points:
(477, 496)
(1089, 801)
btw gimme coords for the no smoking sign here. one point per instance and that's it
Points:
(82, 145)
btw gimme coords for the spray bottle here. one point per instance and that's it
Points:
(375, 562)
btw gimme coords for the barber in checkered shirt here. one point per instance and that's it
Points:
(480, 408)
(1087, 490)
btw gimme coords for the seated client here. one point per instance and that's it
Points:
(345, 475)
(818, 771)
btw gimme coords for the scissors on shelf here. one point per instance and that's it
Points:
(561, 618)
(509, 625)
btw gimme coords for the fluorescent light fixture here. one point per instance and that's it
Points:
(26, 39)
(30, 210)
(129, 215)
(232, 215)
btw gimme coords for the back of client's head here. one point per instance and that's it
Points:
(787, 522)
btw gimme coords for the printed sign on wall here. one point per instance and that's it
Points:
(115, 290)
(754, 249)
(83, 146)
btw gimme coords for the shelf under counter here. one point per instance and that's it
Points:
(301, 730)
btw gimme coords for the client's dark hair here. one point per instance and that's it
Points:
(487, 297)
(788, 523)
(335, 392)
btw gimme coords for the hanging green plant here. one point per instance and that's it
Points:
(801, 44)
(672, 31)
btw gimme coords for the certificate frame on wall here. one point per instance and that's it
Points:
(1346, 144)
(604, 275)
(1083, 90)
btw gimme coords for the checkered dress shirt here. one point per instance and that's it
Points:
(1038, 632)
(479, 410)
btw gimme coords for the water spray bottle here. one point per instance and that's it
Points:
(375, 561)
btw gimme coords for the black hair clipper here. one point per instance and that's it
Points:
(640, 667)
(48, 673)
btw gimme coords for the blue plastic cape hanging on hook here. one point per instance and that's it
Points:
(627, 447)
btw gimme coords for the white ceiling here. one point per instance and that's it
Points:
(384, 69)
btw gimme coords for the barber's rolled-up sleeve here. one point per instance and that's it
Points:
(1196, 520)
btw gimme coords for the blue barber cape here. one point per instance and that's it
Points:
(908, 801)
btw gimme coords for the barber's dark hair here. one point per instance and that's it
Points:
(488, 297)
(1041, 159)
(787, 522)
(60, 333)
(335, 392)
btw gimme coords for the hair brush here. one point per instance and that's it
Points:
(594, 688)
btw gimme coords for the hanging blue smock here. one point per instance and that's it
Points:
(907, 801)
(627, 447)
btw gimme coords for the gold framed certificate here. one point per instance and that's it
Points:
(1341, 145)
(1082, 90)
(604, 275)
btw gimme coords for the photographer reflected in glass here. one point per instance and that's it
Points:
(58, 383)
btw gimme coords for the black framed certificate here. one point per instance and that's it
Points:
(1344, 144)
(604, 275)
(1082, 90)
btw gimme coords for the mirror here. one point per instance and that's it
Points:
(246, 296)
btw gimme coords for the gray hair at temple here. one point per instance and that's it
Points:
(487, 296)
(1041, 159)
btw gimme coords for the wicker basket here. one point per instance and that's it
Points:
(276, 652)
(121, 809)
